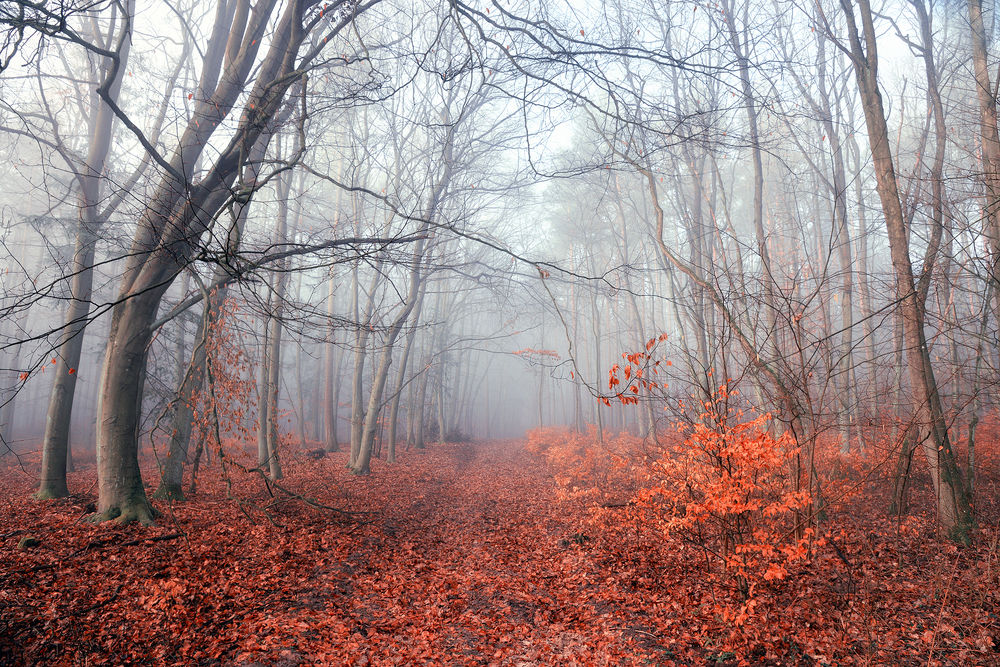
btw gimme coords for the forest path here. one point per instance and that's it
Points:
(490, 567)
(465, 556)
(462, 554)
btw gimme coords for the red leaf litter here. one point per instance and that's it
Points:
(469, 554)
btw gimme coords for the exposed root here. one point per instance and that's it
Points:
(135, 510)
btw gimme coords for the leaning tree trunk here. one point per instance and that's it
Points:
(364, 328)
(954, 508)
(362, 464)
(182, 419)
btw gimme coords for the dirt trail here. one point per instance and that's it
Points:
(495, 575)
(465, 557)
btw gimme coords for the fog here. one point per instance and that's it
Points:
(377, 225)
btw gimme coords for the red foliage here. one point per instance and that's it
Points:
(871, 590)
(725, 489)
(472, 554)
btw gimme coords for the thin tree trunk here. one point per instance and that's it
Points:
(418, 410)
(954, 509)
(273, 383)
(401, 376)
(182, 420)
(362, 464)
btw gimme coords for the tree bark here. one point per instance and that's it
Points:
(954, 508)
(55, 442)
(177, 215)
(401, 376)
(990, 141)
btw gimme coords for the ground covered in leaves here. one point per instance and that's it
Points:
(462, 554)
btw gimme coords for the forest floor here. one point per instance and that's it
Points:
(460, 554)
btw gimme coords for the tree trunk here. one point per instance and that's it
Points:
(954, 509)
(121, 495)
(990, 141)
(272, 429)
(55, 443)
(182, 419)
(263, 404)
(331, 375)
(363, 461)
(330, 398)
(401, 375)
(418, 410)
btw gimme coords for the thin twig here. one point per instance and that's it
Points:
(98, 605)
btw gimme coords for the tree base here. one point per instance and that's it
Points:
(961, 533)
(51, 493)
(169, 492)
(138, 510)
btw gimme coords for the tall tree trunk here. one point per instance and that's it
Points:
(364, 325)
(954, 509)
(362, 464)
(272, 386)
(990, 141)
(331, 376)
(55, 443)
(263, 396)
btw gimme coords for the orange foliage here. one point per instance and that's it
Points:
(469, 554)
(725, 488)
(584, 469)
